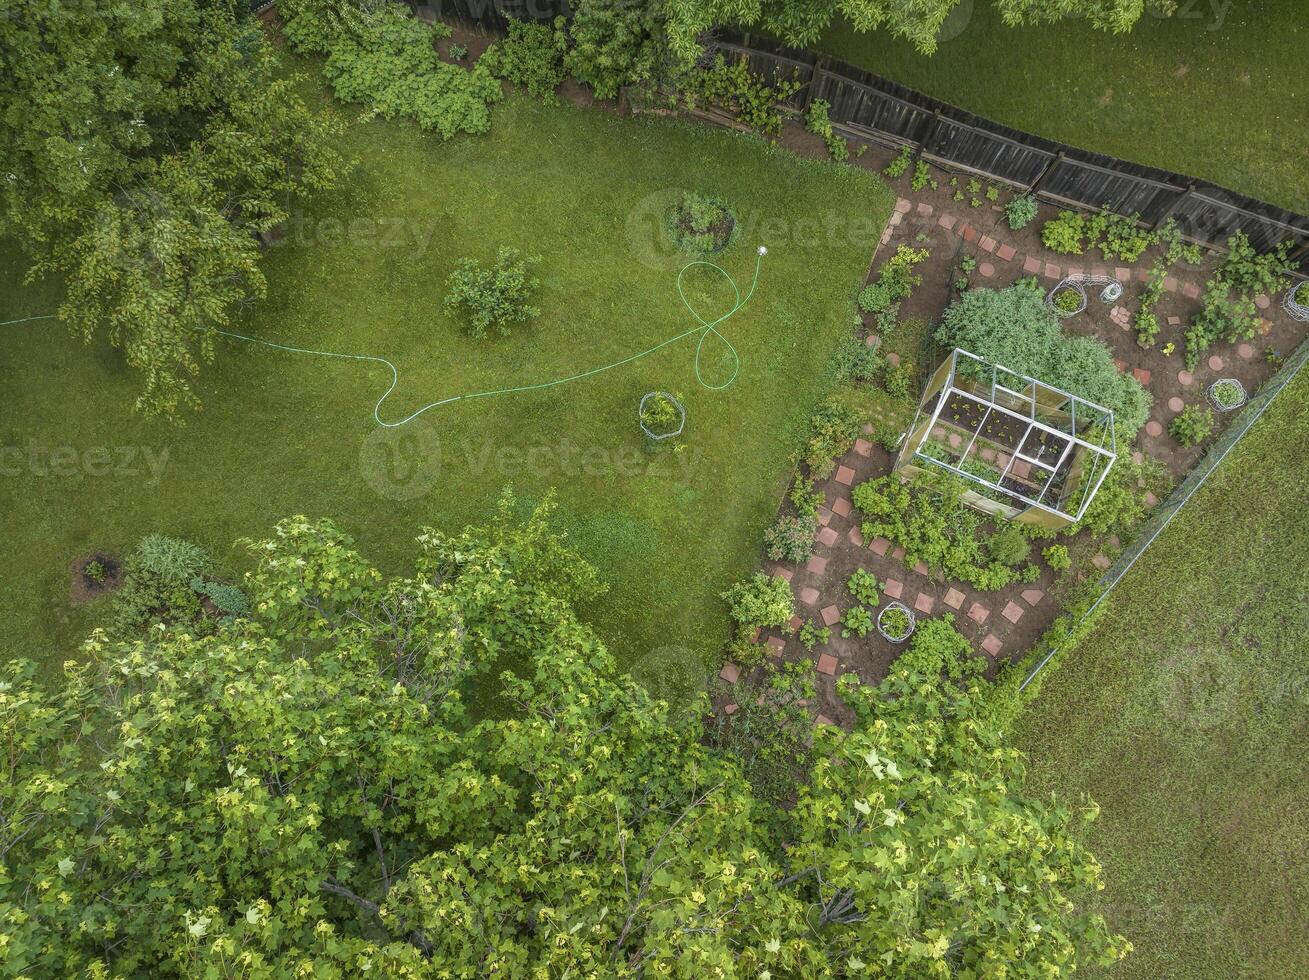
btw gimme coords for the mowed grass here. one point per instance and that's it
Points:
(363, 271)
(1185, 716)
(1223, 97)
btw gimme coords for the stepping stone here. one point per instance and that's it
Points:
(844, 475)
(969, 233)
(808, 595)
(1185, 378)
(893, 358)
(879, 546)
(1006, 252)
(1101, 562)
(1123, 274)
(1174, 321)
(1215, 362)
(841, 507)
(986, 269)
(1141, 375)
(920, 567)
(1151, 500)
(863, 447)
(988, 243)
(893, 587)
(1032, 266)
(987, 454)
(1154, 428)
(1032, 596)
(824, 516)
(898, 553)
(795, 623)
(924, 603)
(776, 644)
(1191, 290)
(855, 536)
(1171, 284)
(1175, 404)
(1074, 272)
(978, 613)
(953, 598)
(1021, 469)
(1142, 275)
(730, 709)
(827, 664)
(872, 340)
(785, 573)
(730, 672)
(991, 644)
(1245, 352)
(896, 218)
(828, 536)
(903, 206)
(1001, 460)
(817, 564)
(830, 615)
(947, 221)
(1120, 364)
(1012, 612)
(824, 720)
(1052, 271)
(955, 440)
(924, 209)
(1262, 301)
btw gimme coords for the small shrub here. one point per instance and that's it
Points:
(458, 52)
(494, 298)
(900, 164)
(95, 571)
(761, 601)
(992, 193)
(922, 174)
(751, 99)
(854, 360)
(1147, 329)
(863, 586)
(1021, 211)
(1192, 426)
(531, 55)
(1065, 234)
(857, 621)
(938, 649)
(157, 585)
(818, 123)
(1008, 546)
(791, 538)
(812, 636)
(888, 438)
(1056, 556)
(806, 498)
(227, 599)
(173, 560)
(897, 380)
(701, 224)
(832, 430)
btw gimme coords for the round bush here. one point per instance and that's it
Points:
(702, 225)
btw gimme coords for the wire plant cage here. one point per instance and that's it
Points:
(887, 627)
(1296, 302)
(646, 411)
(1076, 285)
(1227, 394)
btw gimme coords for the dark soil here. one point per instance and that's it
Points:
(83, 588)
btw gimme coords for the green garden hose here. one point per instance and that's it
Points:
(705, 328)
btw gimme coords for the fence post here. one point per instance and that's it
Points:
(1176, 203)
(1301, 254)
(1050, 167)
(929, 133)
(815, 73)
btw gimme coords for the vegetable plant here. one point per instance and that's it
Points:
(494, 297)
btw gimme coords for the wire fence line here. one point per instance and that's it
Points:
(1165, 512)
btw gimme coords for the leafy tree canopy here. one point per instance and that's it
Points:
(311, 790)
(145, 146)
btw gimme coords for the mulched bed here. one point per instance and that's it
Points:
(82, 588)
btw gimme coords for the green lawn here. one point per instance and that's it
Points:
(1225, 99)
(363, 271)
(1185, 715)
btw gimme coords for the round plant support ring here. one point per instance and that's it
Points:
(681, 415)
(1296, 302)
(909, 619)
(1077, 284)
(1227, 403)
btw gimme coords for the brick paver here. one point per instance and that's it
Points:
(1215, 362)
(988, 243)
(991, 644)
(786, 573)
(893, 587)
(1154, 428)
(1176, 404)
(924, 603)
(947, 221)
(1032, 596)
(855, 535)
(831, 615)
(978, 613)
(824, 516)
(879, 546)
(844, 475)
(1141, 375)
(817, 564)
(730, 672)
(1012, 612)
(828, 536)
(808, 595)
(1006, 252)
(1032, 266)
(863, 447)
(776, 645)
(730, 709)
(826, 664)
(953, 598)
(841, 507)
(1185, 378)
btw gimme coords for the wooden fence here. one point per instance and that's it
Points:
(868, 107)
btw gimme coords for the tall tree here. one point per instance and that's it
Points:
(145, 146)
(306, 791)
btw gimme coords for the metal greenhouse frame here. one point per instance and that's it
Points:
(1036, 453)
